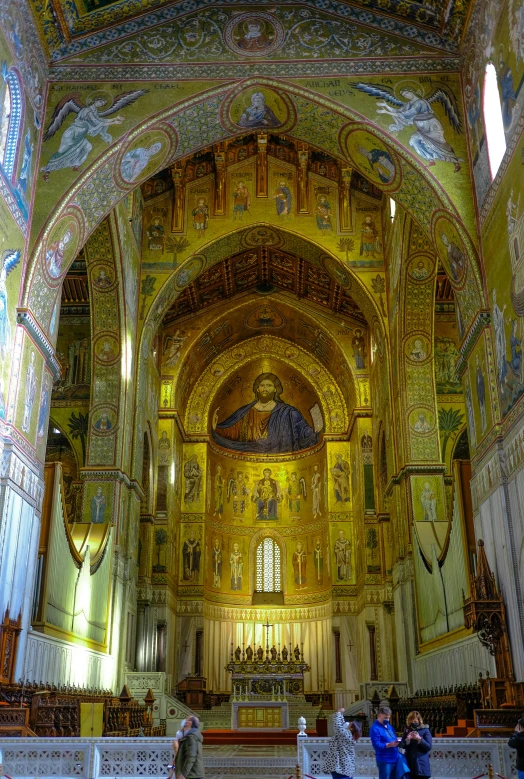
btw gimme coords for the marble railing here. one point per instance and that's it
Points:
(451, 758)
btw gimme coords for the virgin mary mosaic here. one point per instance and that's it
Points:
(267, 425)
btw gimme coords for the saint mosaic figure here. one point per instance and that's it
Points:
(380, 163)
(102, 280)
(90, 121)
(296, 490)
(200, 215)
(258, 114)
(358, 343)
(30, 393)
(342, 551)
(497, 317)
(164, 449)
(299, 561)
(418, 353)
(323, 214)
(238, 491)
(254, 38)
(340, 474)
(267, 425)
(236, 565)
(369, 237)
(216, 561)
(415, 110)
(456, 258)
(172, 347)
(241, 200)
(316, 488)
(267, 495)
(54, 256)
(191, 552)
(481, 394)
(472, 431)
(42, 414)
(135, 160)
(318, 560)
(428, 500)
(193, 475)
(8, 261)
(103, 423)
(98, 507)
(422, 425)
(219, 492)
(283, 200)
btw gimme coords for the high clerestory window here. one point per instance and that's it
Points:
(268, 566)
(493, 122)
(10, 120)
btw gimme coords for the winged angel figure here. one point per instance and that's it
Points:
(416, 111)
(8, 261)
(90, 120)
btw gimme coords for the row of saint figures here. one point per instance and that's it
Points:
(270, 655)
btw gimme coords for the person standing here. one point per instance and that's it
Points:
(340, 758)
(417, 742)
(189, 761)
(517, 742)
(385, 743)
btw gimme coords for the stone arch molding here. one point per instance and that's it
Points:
(333, 406)
(101, 187)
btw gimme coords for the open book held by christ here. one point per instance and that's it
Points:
(267, 425)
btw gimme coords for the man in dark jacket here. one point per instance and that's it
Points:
(190, 759)
(517, 742)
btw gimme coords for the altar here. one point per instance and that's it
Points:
(259, 715)
(262, 681)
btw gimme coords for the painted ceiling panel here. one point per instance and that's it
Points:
(289, 31)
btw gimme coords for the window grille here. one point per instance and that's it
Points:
(268, 566)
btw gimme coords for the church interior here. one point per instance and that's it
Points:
(261, 375)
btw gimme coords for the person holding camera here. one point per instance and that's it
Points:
(417, 742)
(340, 758)
(517, 742)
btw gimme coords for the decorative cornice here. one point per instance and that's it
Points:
(26, 319)
(414, 470)
(260, 613)
(240, 70)
(482, 320)
(112, 474)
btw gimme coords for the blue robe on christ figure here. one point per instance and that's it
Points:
(286, 431)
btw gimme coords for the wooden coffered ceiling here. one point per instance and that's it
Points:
(263, 270)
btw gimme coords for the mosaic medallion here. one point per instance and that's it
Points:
(254, 35)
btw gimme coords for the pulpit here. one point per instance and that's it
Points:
(192, 690)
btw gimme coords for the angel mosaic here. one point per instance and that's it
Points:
(416, 110)
(90, 120)
(8, 261)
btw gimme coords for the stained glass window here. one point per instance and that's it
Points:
(269, 572)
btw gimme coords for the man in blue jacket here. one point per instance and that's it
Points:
(385, 743)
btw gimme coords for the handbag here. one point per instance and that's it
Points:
(401, 767)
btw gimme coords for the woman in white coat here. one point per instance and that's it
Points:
(340, 759)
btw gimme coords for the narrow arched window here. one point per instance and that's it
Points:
(10, 121)
(268, 566)
(493, 122)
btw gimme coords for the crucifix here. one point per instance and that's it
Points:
(186, 646)
(267, 626)
(350, 645)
